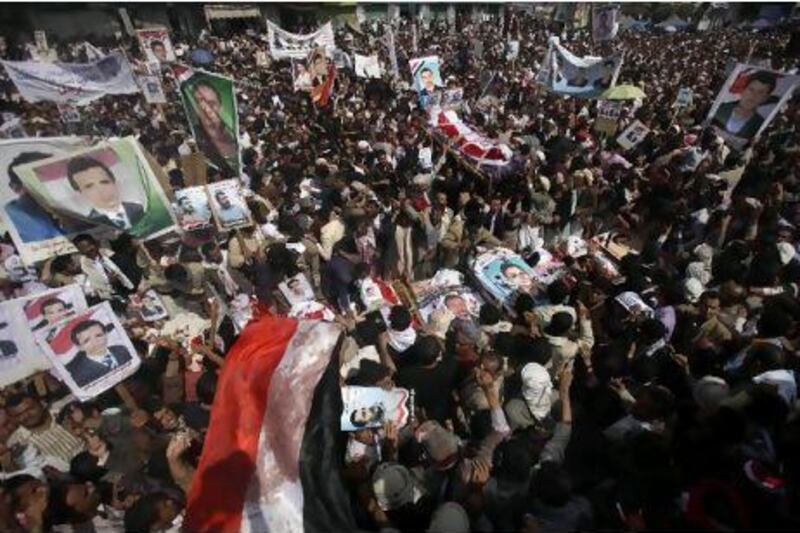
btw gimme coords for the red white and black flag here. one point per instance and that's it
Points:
(272, 455)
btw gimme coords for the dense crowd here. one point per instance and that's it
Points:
(569, 413)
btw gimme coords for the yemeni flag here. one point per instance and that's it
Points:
(272, 456)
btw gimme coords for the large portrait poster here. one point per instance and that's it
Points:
(91, 352)
(151, 89)
(109, 185)
(228, 206)
(21, 318)
(192, 208)
(372, 407)
(209, 102)
(587, 77)
(748, 101)
(446, 290)
(427, 77)
(156, 45)
(635, 133)
(37, 232)
(604, 23)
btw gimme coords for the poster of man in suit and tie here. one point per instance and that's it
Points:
(91, 351)
(110, 185)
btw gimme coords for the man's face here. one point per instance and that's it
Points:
(54, 312)
(98, 188)
(458, 306)
(87, 248)
(208, 107)
(28, 414)
(295, 287)
(83, 498)
(167, 419)
(224, 201)
(710, 308)
(427, 80)
(518, 278)
(93, 341)
(160, 52)
(755, 94)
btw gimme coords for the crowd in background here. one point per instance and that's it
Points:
(567, 414)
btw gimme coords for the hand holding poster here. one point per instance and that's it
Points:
(229, 208)
(110, 184)
(91, 352)
(633, 135)
(372, 407)
(209, 102)
(748, 101)
(367, 66)
(604, 23)
(192, 208)
(156, 45)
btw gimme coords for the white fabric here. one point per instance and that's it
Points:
(286, 45)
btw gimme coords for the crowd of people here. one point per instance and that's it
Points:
(565, 411)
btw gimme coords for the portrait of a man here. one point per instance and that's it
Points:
(53, 310)
(97, 185)
(214, 137)
(516, 278)
(741, 117)
(33, 223)
(228, 210)
(95, 358)
(159, 50)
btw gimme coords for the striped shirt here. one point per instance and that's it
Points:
(54, 443)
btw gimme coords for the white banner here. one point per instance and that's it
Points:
(283, 44)
(588, 76)
(367, 66)
(72, 83)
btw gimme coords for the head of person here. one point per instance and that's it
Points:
(516, 278)
(457, 305)
(90, 337)
(557, 292)
(223, 200)
(152, 512)
(14, 182)
(209, 105)
(758, 90)
(428, 82)
(399, 318)
(176, 273)
(366, 415)
(159, 50)
(26, 411)
(86, 245)
(94, 181)
(167, 416)
(709, 304)
(54, 310)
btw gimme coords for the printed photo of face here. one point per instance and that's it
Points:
(159, 50)
(516, 278)
(457, 305)
(95, 183)
(366, 415)
(223, 200)
(54, 310)
(92, 340)
(209, 109)
(428, 82)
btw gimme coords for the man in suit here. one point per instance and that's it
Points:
(95, 358)
(741, 117)
(97, 185)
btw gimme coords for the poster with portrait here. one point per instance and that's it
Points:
(209, 102)
(684, 98)
(446, 290)
(452, 98)
(192, 208)
(110, 185)
(91, 352)
(149, 306)
(156, 44)
(586, 77)
(22, 318)
(604, 23)
(301, 77)
(228, 205)
(37, 232)
(372, 407)
(427, 77)
(748, 101)
(45, 310)
(297, 289)
(608, 112)
(631, 136)
(367, 66)
(505, 275)
(512, 50)
(151, 89)
(40, 38)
